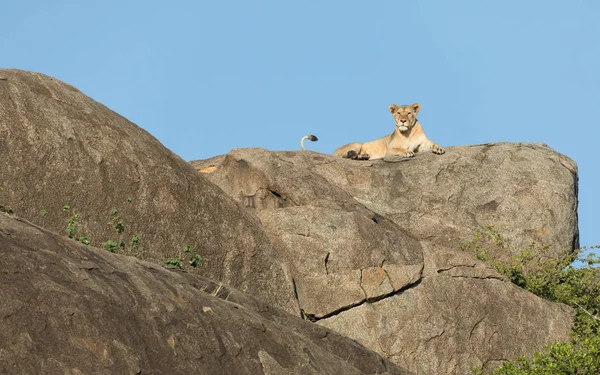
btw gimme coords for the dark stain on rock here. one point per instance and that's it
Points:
(490, 206)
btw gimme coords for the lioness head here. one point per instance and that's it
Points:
(405, 115)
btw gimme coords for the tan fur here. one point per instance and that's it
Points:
(408, 137)
(210, 169)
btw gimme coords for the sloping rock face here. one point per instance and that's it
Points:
(72, 309)
(327, 241)
(58, 147)
(372, 247)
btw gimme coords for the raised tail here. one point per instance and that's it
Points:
(310, 137)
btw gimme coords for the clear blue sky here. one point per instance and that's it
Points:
(208, 76)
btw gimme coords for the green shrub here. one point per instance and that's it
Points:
(118, 224)
(575, 358)
(572, 279)
(187, 257)
(195, 260)
(73, 225)
(111, 246)
(174, 263)
(179, 261)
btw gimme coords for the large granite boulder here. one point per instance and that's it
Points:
(59, 147)
(372, 248)
(527, 191)
(68, 308)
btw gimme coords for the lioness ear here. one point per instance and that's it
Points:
(416, 107)
(393, 107)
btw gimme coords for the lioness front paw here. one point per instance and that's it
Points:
(356, 156)
(438, 150)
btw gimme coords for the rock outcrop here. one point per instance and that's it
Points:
(372, 247)
(367, 248)
(58, 147)
(72, 309)
(526, 190)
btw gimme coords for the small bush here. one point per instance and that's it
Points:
(111, 246)
(575, 358)
(174, 263)
(195, 261)
(73, 227)
(179, 261)
(572, 279)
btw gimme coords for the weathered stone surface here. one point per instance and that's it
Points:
(526, 190)
(360, 246)
(341, 228)
(402, 276)
(322, 295)
(71, 309)
(58, 146)
(324, 238)
(463, 313)
(451, 323)
(327, 253)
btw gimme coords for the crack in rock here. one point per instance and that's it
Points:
(490, 277)
(435, 336)
(325, 297)
(302, 314)
(471, 272)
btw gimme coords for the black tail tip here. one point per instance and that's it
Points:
(313, 138)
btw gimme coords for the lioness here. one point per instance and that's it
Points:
(408, 137)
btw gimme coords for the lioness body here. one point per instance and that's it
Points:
(408, 137)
